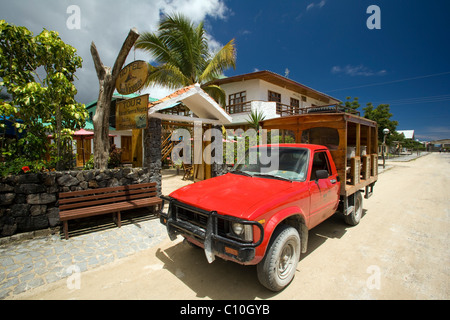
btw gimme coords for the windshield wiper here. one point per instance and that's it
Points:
(241, 173)
(271, 176)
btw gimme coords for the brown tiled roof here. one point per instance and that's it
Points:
(172, 95)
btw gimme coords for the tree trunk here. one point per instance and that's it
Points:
(59, 163)
(107, 81)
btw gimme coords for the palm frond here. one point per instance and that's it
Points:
(221, 61)
(217, 93)
(255, 118)
(167, 75)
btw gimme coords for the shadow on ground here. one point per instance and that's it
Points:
(225, 280)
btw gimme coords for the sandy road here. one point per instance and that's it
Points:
(400, 250)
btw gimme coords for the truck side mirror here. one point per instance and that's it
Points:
(321, 174)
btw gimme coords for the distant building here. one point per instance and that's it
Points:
(439, 145)
(408, 134)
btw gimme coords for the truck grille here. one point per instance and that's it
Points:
(198, 219)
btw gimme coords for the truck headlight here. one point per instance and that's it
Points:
(243, 232)
(238, 228)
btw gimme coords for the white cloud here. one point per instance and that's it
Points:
(107, 23)
(359, 70)
(319, 5)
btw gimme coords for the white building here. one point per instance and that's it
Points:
(268, 93)
(408, 134)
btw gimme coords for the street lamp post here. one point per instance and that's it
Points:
(385, 132)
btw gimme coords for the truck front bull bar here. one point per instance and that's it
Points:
(213, 242)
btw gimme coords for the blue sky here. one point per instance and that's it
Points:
(325, 44)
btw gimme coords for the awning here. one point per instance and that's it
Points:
(197, 100)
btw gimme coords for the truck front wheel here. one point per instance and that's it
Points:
(277, 269)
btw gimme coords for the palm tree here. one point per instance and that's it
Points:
(181, 52)
(255, 118)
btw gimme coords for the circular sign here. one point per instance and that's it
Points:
(132, 77)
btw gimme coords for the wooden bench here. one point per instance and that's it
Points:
(87, 203)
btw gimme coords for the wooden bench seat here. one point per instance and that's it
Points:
(87, 203)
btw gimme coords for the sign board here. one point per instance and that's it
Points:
(132, 113)
(132, 77)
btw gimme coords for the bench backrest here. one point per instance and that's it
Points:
(93, 197)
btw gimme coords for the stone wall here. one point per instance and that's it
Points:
(29, 202)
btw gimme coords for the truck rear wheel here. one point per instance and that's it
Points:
(277, 269)
(354, 217)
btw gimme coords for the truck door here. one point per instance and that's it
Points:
(324, 192)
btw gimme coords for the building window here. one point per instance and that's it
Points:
(303, 98)
(273, 96)
(237, 102)
(237, 98)
(295, 106)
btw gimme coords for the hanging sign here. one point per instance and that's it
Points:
(132, 113)
(132, 77)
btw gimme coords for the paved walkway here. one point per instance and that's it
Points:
(31, 263)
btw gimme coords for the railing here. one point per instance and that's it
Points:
(284, 110)
(287, 110)
(239, 107)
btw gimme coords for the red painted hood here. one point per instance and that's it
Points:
(231, 194)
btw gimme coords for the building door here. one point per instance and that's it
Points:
(125, 142)
(137, 147)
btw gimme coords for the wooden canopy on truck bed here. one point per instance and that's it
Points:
(351, 139)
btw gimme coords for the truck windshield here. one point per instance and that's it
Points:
(292, 164)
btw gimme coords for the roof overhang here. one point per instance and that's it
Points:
(197, 100)
(280, 81)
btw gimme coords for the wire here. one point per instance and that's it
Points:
(394, 81)
(428, 99)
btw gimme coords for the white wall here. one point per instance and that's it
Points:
(257, 91)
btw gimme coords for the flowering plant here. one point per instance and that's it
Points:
(25, 169)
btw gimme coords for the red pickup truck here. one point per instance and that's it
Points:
(252, 216)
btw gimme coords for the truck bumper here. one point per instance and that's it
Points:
(209, 229)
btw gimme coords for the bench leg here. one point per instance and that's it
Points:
(117, 219)
(66, 229)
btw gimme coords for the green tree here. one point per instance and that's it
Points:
(183, 57)
(382, 115)
(353, 105)
(37, 73)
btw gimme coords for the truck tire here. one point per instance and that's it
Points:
(277, 269)
(354, 217)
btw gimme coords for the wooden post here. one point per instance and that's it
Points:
(358, 140)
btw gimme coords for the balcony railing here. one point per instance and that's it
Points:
(239, 107)
(285, 110)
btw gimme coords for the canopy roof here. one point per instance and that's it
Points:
(198, 101)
